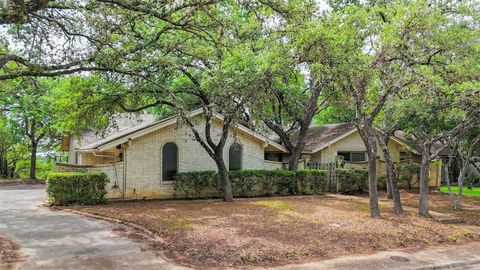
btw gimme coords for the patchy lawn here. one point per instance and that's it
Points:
(475, 191)
(277, 230)
(440, 202)
(9, 253)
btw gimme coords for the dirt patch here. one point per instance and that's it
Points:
(13, 182)
(440, 202)
(276, 231)
(9, 253)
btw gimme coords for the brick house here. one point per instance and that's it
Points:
(141, 155)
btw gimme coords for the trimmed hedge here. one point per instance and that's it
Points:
(247, 183)
(352, 181)
(77, 188)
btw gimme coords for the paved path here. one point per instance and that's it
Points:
(448, 257)
(57, 240)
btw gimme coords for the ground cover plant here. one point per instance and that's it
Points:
(474, 191)
(278, 230)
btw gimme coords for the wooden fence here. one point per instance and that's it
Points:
(331, 169)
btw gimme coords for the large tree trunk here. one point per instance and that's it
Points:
(294, 160)
(460, 189)
(367, 132)
(388, 184)
(423, 204)
(391, 177)
(463, 171)
(449, 186)
(3, 166)
(224, 178)
(33, 161)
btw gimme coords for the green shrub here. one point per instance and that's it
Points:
(352, 180)
(312, 181)
(473, 179)
(77, 188)
(382, 182)
(192, 184)
(406, 174)
(247, 183)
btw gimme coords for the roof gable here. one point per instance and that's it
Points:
(143, 129)
(319, 137)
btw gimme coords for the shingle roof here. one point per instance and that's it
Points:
(401, 136)
(148, 124)
(318, 136)
(121, 125)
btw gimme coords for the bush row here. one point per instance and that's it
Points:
(247, 183)
(352, 181)
(77, 188)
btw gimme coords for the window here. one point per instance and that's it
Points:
(169, 161)
(273, 156)
(235, 157)
(404, 156)
(353, 156)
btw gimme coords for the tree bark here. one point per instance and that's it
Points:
(3, 167)
(424, 167)
(460, 190)
(449, 185)
(33, 161)
(391, 176)
(224, 178)
(367, 132)
(294, 160)
(388, 184)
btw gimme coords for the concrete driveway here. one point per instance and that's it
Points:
(57, 240)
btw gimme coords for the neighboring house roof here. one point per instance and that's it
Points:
(319, 137)
(437, 145)
(132, 132)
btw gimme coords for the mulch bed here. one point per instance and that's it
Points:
(276, 231)
(9, 253)
(13, 182)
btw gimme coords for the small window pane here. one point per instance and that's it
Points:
(235, 157)
(169, 161)
(358, 157)
(345, 155)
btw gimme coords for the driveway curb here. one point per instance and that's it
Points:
(454, 265)
(112, 220)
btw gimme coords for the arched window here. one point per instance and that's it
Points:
(235, 157)
(169, 161)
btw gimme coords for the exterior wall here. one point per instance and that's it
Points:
(114, 171)
(272, 165)
(106, 157)
(143, 158)
(72, 154)
(353, 142)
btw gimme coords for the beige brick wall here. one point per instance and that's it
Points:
(144, 164)
(352, 142)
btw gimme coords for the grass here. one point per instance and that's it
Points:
(475, 191)
(281, 206)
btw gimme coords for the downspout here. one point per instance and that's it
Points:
(125, 165)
